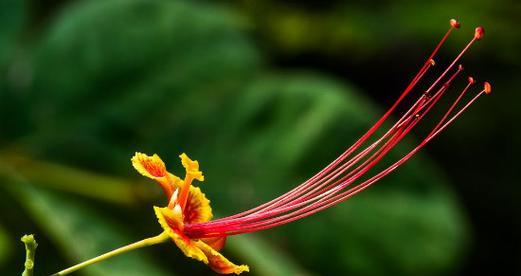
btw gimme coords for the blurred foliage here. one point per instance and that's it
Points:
(5, 244)
(361, 29)
(11, 19)
(103, 79)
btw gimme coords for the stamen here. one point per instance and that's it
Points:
(429, 63)
(470, 82)
(455, 23)
(325, 188)
(320, 205)
(479, 33)
(487, 87)
(248, 221)
(173, 199)
(177, 210)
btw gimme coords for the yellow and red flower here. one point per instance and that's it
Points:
(186, 218)
(186, 205)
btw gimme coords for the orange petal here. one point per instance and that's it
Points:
(216, 243)
(218, 262)
(197, 208)
(189, 247)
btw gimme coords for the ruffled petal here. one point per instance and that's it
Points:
(154, 168)
(191, 167)
(167, 220)
(218, 262)
(197, 207)
(150, 166)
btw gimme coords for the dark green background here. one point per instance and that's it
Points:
(263, 94)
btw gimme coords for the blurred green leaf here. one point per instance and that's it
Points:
(13, 66)
(64, 178)
(128, 74)
(12, 15)
(5, 245)
(383, 232)
(263, 258)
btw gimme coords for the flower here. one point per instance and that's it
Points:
(187, 216)
(186, 205)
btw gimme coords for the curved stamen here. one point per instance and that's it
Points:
(311, 209)
(324, 189)
(428, 63)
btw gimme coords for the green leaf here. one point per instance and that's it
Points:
(128, 73)
(263, 258)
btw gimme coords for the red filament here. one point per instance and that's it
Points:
(350, 174)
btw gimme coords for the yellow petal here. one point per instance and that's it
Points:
(197, 208)
(218, 262)
(167, 221)
(154, 168)
(150, 166)
(191, 167)
(176, 181)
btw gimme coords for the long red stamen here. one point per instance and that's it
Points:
(319, 189)
(251, 221)
(323, 204)
(428, 63)
(328, 187)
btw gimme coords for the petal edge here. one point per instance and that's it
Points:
(218, 263)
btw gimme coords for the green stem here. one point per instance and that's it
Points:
(163, 237)
(30, 250)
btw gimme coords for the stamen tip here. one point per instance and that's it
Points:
(432, 62)
(460, 67)
(471, 80)
(479, 33)
(455, 23)
(487, 87)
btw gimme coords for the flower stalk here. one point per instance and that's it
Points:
(161, 238)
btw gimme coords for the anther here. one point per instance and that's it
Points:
(432, 62)
(487, 87)
(479, 33)
(455, 23)
(471, 80)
